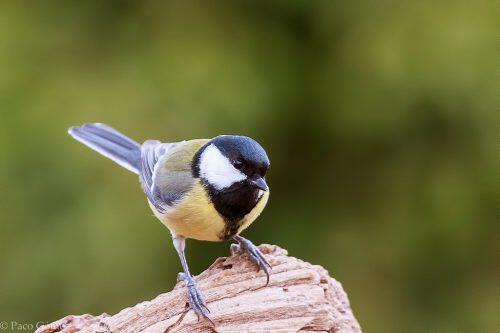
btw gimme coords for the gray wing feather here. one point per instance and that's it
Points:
(172, 185)
(151, 152)
(166, 171)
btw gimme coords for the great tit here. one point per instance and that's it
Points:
(204, 189)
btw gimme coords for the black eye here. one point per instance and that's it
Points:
(238, 164)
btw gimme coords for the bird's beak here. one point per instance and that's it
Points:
(259, 183)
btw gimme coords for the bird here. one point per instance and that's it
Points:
(201, 189)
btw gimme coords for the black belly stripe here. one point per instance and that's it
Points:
(230, 229)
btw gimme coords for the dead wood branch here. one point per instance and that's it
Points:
(300, 297)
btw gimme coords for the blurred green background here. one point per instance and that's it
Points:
(380, 119)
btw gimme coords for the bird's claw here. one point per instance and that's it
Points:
(195, 298)
(253, 253)
(235, 249)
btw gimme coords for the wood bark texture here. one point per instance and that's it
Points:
(300, 297)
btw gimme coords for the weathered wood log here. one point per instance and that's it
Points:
(300, 297)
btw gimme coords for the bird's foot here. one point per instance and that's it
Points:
(253, 252)
(196, 300)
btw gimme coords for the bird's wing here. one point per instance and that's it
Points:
(166, 170)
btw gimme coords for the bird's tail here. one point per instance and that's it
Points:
(109, 142)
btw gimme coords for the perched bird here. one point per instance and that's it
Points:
(204, 189)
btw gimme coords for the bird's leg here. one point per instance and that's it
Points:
(253, 252)
(196, 300)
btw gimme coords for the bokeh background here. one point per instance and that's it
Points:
(380, 119)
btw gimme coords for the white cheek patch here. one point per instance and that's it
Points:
(217, 169)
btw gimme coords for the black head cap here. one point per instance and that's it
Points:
(246, 154)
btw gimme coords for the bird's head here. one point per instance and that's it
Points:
(230, 162)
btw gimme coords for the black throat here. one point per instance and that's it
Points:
(233, 203)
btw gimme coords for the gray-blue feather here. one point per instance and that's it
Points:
(110, 143)
(151, 151)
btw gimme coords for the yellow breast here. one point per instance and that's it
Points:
(195, 216)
